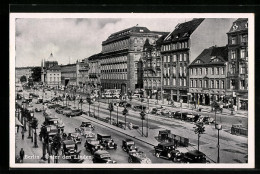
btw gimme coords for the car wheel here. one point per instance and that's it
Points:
(157, 154)
(130, 160)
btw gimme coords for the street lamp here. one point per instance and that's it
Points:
(124, 113)
(98, 107)
(147, 112)
(117, 104)
(48, 148)
(32, 115)
(218, 127)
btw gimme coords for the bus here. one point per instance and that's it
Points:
(111, 93)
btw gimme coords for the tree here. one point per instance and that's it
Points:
(110, 108)
(23, 79)
(199, 129)
(142, 114)
(36, 74)
(35, 126)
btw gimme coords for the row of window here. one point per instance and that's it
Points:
(242, 69)
(113, 70)
(54, 79)
(113, 60)
(149, 74)
(54, 74)
(151, 54)
(116, 45)
(218, 84)
(176, 58)
(243, 39)
(242, 84)
(178, 45)
(114, 67)
(243, 53)
(120, 76)
(153, 83)
(182, 82)
(205, 71)
(182, 70)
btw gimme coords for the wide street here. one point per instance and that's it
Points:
(233, 148)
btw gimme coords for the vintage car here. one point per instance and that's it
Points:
(66, 111)
(70, 151)
(38, 109)
(86, 132)
(53, 106)
(102, 156)
(138, 157)
(93, 145)
(192, 117)
(194, 156)
(106, 141)
(53, 120)
(113, 121)
(124, 104)
(165, 112)
(139, 108)
(87, 124)
(180, 115)
(75, 112)
(168, 151)
(206, 120)
(76, 137)
(59, 110)
(128, 145)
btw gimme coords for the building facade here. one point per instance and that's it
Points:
(50, 74)
(82, 68)
(69, 75)
(181, 47)
(94, 70)
(22, 71)
(237, 87)
(121, 53)
(207, 76)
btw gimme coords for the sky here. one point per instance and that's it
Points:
(72, 39)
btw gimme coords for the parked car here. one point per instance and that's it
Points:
(124, 103)
(76, 137)
(138, 157)
(59, 110)
(93, 145)
(87, 124)
(165, 112)
(179, 115)
(154, 110)
(75, 112)
(206, 120)
(86, 132)
(194, 156)
(66, 111)
(168, 151)
(128, 145)
(139, 108)
(102, 156)
(106, 141)
(53, 106)
(193, 117)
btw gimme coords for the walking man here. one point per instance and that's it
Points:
(22, 133)
(21, 155)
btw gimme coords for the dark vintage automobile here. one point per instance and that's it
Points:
(102, 156)
(70, 151)
(87, 124)
(75, 112)
(66, 111)
(93, 145)
(106, 141)
(139, 108)
(179, 115)
(206, 120)
(193, 117)
(124, 104)
(138, 157)
(128, 145)
(53, 106)
(59, 110)
(168, 151)
(194, 156)
(76, 137)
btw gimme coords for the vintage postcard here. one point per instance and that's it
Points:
(126, 90)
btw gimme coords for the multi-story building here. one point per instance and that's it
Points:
(69, 75)
(237, 86)
(82, 68)
(181, 47)
(207, 76)
(120, 56)
(94, 70)
(50, 74)
(22, 71)
(151, 60)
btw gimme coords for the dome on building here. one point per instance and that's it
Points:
(51, 58)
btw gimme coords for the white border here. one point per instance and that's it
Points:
(251, 92)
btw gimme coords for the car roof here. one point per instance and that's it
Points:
(101, 152)
(128, 139)
(69, 142)
(103, 135)
(167, 144)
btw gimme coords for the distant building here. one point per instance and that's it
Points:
(50, 74)
(69, 75)
(207, 76)
(94, 70)
(22, 71)
(120, 55)
(82, 68)
(237, 87)
(181, 47)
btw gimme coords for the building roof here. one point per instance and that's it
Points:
(209, 54)
(55, 67)
(95, 56)
(239, 25)
(184, 30)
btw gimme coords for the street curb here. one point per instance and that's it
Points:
(85, 116)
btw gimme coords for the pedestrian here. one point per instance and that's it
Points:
(22, 134)
(21, 155)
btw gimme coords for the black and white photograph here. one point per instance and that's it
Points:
(131, 90)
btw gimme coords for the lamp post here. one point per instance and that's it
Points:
(48, 148)
(117, 104)
(147, 112)
(219, 127)
(181, 107)
(124, 113)
(29, 122)
(32, 116)
(98, 107)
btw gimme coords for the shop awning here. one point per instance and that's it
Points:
(17, 122)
